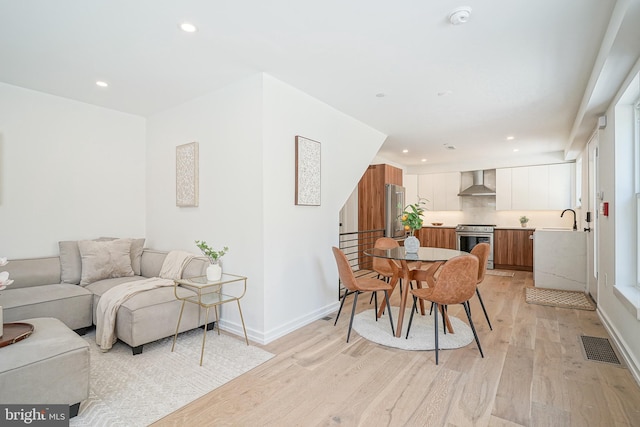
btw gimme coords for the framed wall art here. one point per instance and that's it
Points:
(187, 174)
(307, 172)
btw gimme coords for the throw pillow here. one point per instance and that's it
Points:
(70, 262)
(137, 247)
(105, 260)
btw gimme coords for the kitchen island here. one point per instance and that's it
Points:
(560, 259)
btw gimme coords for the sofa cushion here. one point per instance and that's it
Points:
(32, 272)
(105, 259)
(69, 303)
(70, 262)
(144, 299)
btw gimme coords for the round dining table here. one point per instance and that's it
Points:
(437, 256)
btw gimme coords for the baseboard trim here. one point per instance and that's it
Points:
(275, 333)
(620, 344)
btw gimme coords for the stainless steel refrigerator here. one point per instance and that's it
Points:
(393, 206)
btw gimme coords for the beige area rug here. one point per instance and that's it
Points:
(559, 298)
(421, 336)
(127, 390)
(500, 273)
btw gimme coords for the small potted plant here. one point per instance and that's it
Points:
(523, 221)
(214, 271)
(412, 220)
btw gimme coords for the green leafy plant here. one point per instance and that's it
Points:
(208, 251)
(524, 219)
(412, 216)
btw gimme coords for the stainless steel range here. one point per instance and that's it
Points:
(469, 235)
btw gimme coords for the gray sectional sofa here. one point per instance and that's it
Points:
(69, 286)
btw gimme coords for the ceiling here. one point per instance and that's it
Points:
(541, 71)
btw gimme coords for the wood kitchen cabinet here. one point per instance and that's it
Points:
(513, 249)
(371, 195)
(437, 237)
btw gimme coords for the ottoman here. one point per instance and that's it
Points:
(49, 367)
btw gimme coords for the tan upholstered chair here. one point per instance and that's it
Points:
(481, 250)
(382, 265)
(356, 286)
(455, 284)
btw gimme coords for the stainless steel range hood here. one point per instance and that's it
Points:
(478, 188)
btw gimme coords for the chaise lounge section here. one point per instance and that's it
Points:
(69, 287)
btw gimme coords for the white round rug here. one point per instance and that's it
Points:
(421, 336)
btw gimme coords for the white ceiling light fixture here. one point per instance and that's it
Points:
(424, 160)
(188, 27)
(405, 151)
(460, 15)
(101, 83)
(511, 138)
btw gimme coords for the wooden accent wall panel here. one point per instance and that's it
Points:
(513, 249)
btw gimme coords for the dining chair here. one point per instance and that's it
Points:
(481, 250)
(455, 284)
(356, 286)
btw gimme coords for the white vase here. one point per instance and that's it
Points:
(411, 245)
(214, 272)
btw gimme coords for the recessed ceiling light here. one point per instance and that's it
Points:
(423, 160)
(102, 84)
(380, 95)
(405, 151)
(445, 93)
(188, 27)
(451, 147)
(515, 150)
(511, 138)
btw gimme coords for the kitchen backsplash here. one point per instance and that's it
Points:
(482, 210)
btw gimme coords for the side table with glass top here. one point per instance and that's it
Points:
(209, 294)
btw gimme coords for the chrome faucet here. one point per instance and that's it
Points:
(575, 224)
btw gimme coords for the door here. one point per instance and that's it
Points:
(592, 203)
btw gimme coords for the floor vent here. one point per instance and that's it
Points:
(599, 350)
(326, 318)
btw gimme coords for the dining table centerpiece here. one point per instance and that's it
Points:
(214, 270)
(412, 220)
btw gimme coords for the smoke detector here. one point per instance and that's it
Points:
(460, 15)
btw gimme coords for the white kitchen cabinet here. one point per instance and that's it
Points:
(542, 187)
(503, 189)
(441, 190)
(411, 194)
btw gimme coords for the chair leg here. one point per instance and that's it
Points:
(473, 328)
(375, 298)
(386, 297)
(353, 312)
(346, 292)
(483, 309)
(435, 328)
(413, 310)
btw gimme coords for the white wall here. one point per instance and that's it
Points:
(68, 170)
(246, 134)
(614, 164)
(301, 279)
(227, 124)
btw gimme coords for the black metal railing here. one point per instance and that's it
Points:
(353, 244)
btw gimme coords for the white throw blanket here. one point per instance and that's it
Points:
(112, 299)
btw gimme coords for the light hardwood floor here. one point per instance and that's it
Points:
(533, 374)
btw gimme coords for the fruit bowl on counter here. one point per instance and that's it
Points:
(437, 224)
